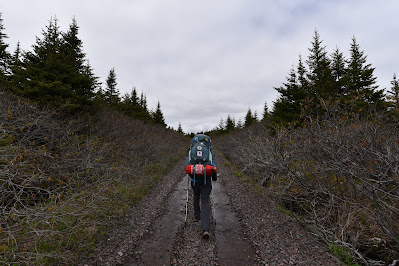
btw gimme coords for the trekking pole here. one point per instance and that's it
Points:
(188, 186)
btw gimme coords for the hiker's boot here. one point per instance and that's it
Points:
(205, 235)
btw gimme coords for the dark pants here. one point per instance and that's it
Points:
(201, 193)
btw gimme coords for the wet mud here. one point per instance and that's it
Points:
(232, 247)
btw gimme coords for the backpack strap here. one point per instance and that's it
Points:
(204, 175)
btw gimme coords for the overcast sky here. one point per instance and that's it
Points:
(206, 59)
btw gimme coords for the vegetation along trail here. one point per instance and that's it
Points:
(154, 232)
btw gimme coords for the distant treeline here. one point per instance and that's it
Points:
(326, 85)
(57, 72)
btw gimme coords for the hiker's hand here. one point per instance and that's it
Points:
(214, 176)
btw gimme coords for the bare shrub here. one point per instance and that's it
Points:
(340, 175)
(61, 178)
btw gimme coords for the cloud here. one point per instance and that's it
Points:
(204, 60)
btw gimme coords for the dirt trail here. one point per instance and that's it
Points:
(232, 247)
(246, 229)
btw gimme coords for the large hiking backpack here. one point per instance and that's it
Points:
(200, 150)
(200, 161)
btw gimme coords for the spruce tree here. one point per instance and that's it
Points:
(288, 107)
(319, 74)
(143, 101)
(266, 113)
(111, 92)
(80, 75)
(16, 68)
(133, 98)
(158, 115)
(393, 93)
(239, 124)
(221, 126)
(302, 80)
(4, 55)
(249, 118)
(361, 87)
(45, 72)
(229, 124)
(180, 129)
(339, 73)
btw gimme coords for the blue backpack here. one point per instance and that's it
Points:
(200, 151)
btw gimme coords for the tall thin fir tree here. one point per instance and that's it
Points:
(16, 68)
(288, 107)
(266, 113)
(158, 115)
(5, 56)
(45, 76)
(80, 75)
(319, 76)
(339, 72)
(229, 124)
(301, 79)
(239, 123)
(180, 129)
(361, 82)
(249, 118)
(143, 101)
(221, 126)
(393, 93)
(360, 73)
(133, 98)
(111, 92)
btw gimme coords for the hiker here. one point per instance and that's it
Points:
(201, 168)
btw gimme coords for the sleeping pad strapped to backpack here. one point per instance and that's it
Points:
(200, 161)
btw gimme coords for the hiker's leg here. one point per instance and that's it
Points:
(196, 200)
(205, 208)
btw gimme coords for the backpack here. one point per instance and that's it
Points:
(200, 160)
(200, 150)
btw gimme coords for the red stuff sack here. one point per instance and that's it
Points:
(198, 169)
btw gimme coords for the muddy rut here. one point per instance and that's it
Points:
(246, 229)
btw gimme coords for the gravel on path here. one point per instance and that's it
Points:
(242, 221)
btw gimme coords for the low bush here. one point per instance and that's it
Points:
(63, 178)
(340, 175)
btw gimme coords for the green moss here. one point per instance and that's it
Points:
(343, 254)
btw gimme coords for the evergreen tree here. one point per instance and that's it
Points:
(45, 73)
(16, 67)
(361, 81)
(249, 118)
(80, 75)
(221, 126)
(239, 124)
(158, 115)
(288, 107)
(393, 93)
(338, 72)
(180, 129)
(143, 101)
(126, 99)
(229, 124)
(4, 55)
(302, 80)
(319, 75)
(266, 113)
(111, 92)
(133, 98)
